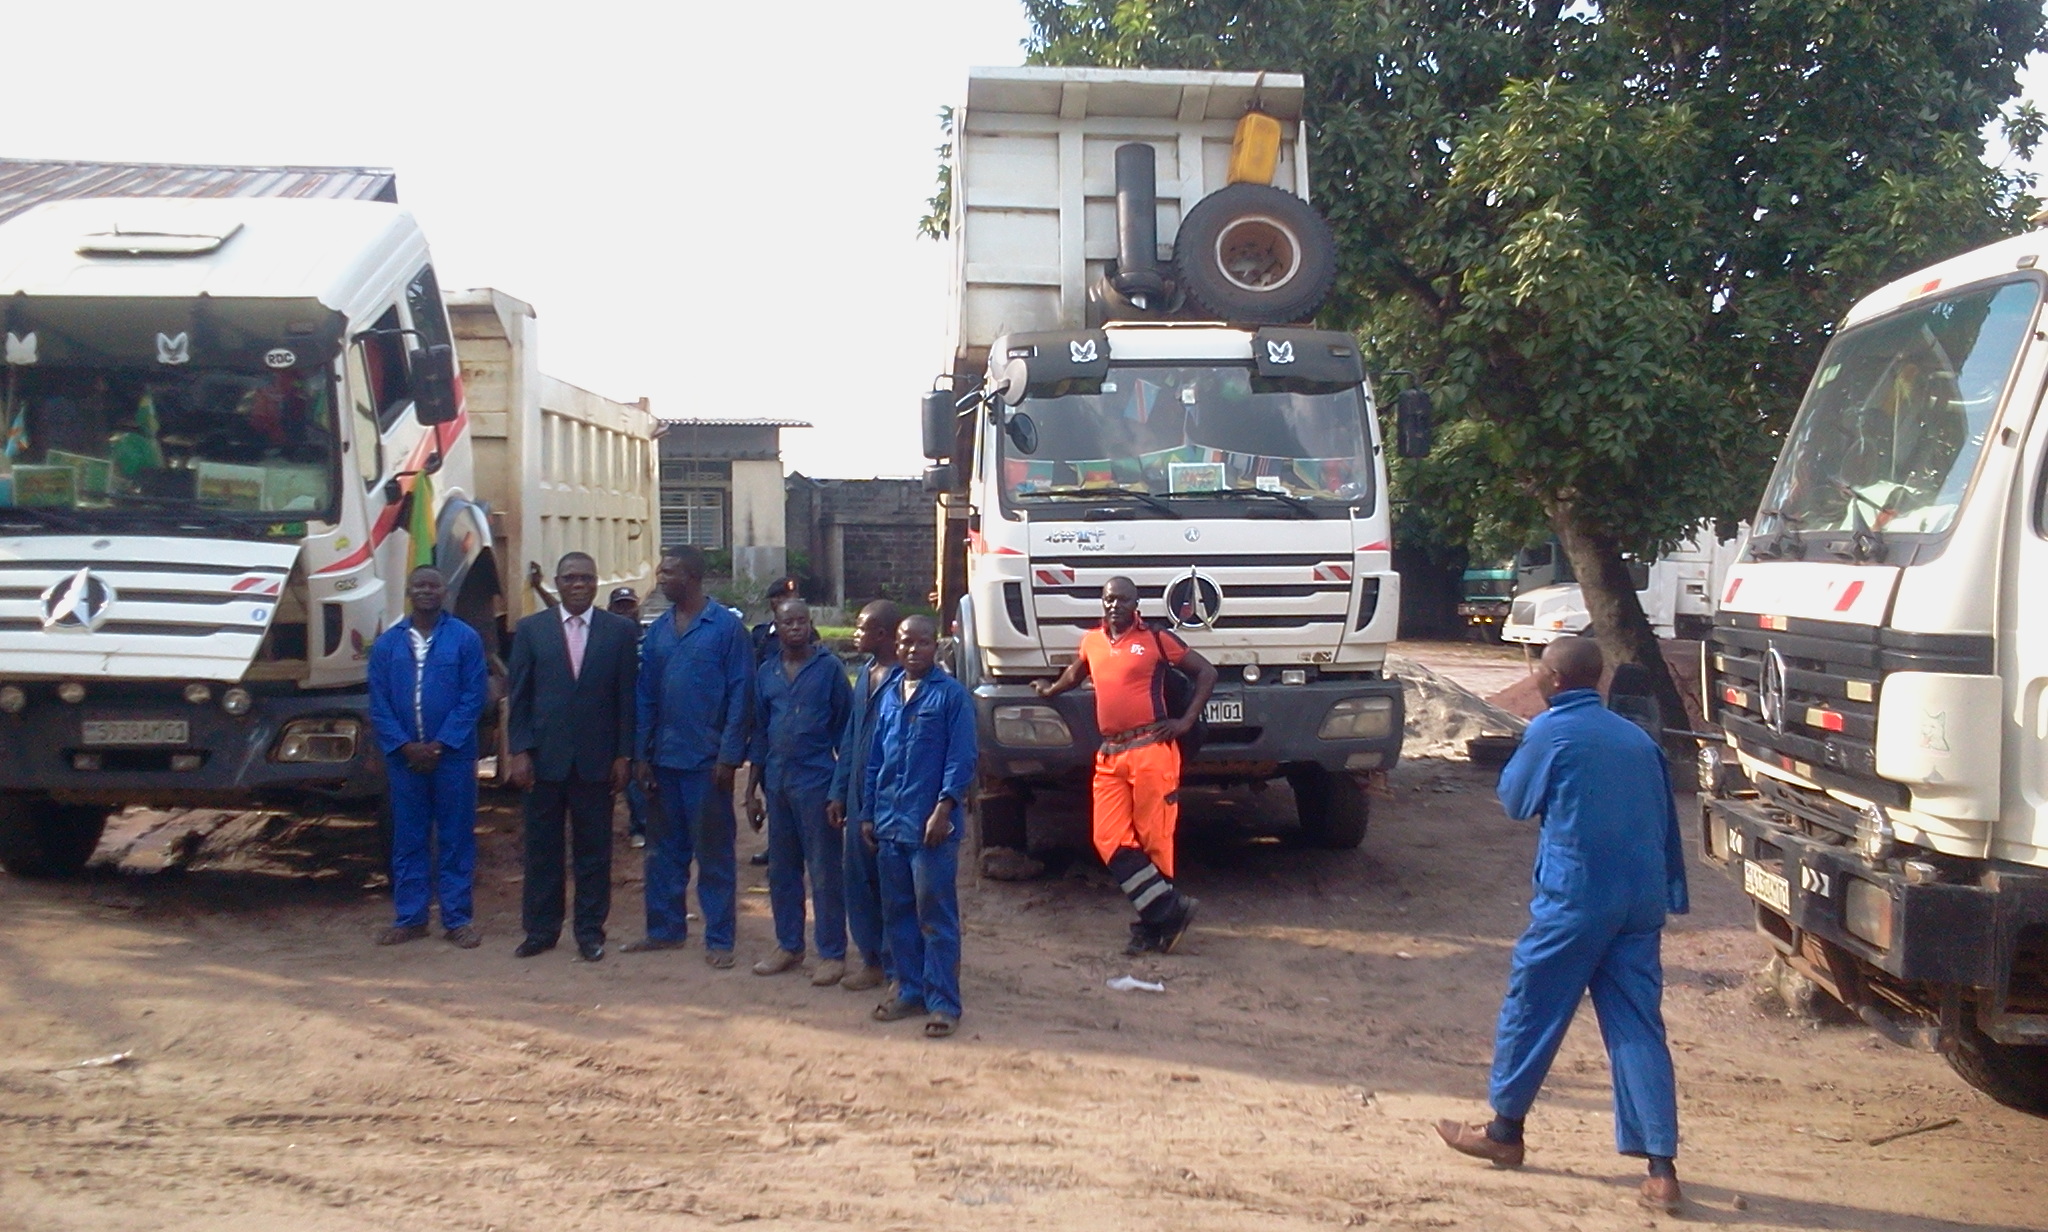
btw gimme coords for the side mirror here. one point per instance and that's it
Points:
(1414, 423)
(433, 384)
(940, 478)
(935, 414)
(1023, 433)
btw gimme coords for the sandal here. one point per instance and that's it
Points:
(939, 1026)
(897, 1009)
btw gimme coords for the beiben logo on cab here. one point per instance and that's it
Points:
(79, 603)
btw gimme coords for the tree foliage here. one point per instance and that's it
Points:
(1612, 237)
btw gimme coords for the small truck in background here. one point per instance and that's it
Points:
(1134, 388)
(1879, 669)
(232, 427)
(1676, 590)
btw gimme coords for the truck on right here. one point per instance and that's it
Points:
(1878, 672)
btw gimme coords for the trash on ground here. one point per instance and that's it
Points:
(1131, 983)
(111, 1059)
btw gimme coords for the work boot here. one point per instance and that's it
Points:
(829, 972)
(399, 934)
(1177, 925)
(863, 979)
(467, 937)
(1143, 940)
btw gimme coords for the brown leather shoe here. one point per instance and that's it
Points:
(1660, 1193)
(1472, 1140)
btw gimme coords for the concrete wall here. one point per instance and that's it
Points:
(759, 537)
(865, 538)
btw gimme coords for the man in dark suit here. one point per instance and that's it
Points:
(571, 733)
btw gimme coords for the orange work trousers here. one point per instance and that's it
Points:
(1137, 802)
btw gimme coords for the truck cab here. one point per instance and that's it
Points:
(1879, 670)
(217, 413)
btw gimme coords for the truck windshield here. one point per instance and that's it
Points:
(1194, 433)
(1891, 429)
(128, 443)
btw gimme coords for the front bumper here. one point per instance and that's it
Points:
(40, 746)
(1279, 730)
(1951, 934)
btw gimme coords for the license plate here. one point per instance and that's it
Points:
(1767, 887)
(1223, 710)
(135, 731)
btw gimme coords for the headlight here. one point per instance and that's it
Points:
(1359, 718)
(236, 701)
(1867, 911)
(318, 740)
(12, 699)
(198, 694)
(1031, 727)
(71, 692)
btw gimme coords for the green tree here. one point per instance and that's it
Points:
(1612, 236)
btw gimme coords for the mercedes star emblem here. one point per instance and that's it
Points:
(1770, 693)
(78, 603)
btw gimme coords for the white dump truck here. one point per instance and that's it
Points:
(1132, 389)
(1879, 667)
(1677, 591)
(232, 426)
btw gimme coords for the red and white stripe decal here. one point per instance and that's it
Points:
(1333, 573)
(1053, 575)
(387, 518)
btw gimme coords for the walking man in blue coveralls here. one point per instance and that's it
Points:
(920, 765)
(1609, 867)
(695, 700)
(428, 682)
(801, 703)
(874, 636)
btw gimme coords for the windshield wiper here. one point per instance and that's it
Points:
(1300, 507)
(1787, 542)
(1143, 498)
(1866, 542)
(45, 515)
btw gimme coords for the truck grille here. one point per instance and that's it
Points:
(1803, 694)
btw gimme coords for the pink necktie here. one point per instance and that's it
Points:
(576, 634)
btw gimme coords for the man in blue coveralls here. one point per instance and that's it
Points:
(920, 765)
(696, 699)
(874, 636)
(1609, 868)
(801, 703)
(428, 682)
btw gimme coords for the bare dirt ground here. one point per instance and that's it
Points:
(283, 1072)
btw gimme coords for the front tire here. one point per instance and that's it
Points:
(39, 838)
(1333, 807)
(2015, 1075)
(1003, 822)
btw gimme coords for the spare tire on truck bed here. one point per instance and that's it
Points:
(1254, 254)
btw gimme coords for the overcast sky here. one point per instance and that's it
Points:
(713, 206)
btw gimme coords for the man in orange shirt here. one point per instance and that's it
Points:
(1137, 767)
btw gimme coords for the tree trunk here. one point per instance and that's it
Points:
(1619, 624)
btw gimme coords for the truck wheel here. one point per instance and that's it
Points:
(1255, 254)
(1003, 822)
(2015, 1075)
(42, 839)
(1333, 808)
